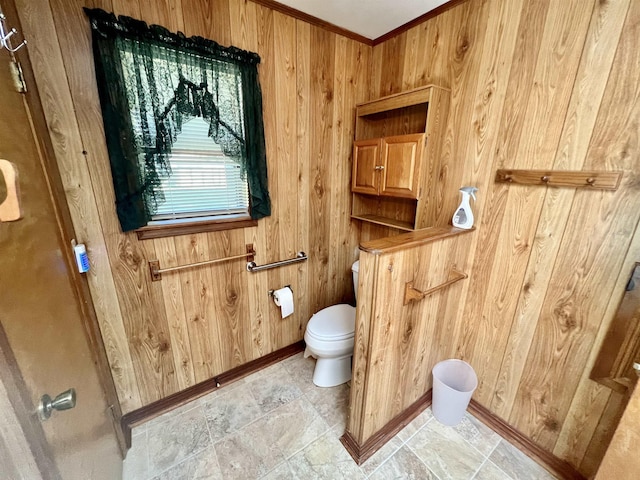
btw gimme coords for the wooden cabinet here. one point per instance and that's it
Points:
(366, 162)
(396, 155)
(388, 166)
(401, 159)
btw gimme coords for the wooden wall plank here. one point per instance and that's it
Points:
(342, 141)
(208, 19)
(597, 57)
(176, 319)
(274, 279)
(197, 297)
(322, 69)
(167, 13)
(303, 147)
(367, 291)
(286, 173)
(231, 317)
(244, 34)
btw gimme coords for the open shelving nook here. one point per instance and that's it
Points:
(396, 154)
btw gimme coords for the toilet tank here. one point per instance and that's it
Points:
(355, 268)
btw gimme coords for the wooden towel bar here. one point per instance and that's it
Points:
(411, 293)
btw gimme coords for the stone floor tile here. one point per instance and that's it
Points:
(294, 426)
(416, 424)
(174, 440)
(404, 464)
(136, 463)
(489, 471)
(281, 472)
(327, 459)
(273, 390)
(230, 412)
(174, 412)
(516, 464)
(249, 453)
(477, 434)
(445, 452)
(276, 367)
(332, 403)
(301, 370)
(201, 466)
(382, 455)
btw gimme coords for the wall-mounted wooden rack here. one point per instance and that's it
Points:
(412, 294)
(156, 271)
(559, 178)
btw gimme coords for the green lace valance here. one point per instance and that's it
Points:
(150, 81)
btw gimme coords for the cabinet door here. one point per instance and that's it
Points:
(401, 159)
(366, 156)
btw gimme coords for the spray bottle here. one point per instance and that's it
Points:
(463, 218)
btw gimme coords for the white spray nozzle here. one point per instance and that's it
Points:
(469, 191)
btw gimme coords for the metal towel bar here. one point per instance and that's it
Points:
(252, 267)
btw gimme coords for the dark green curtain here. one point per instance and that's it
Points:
(150, 81)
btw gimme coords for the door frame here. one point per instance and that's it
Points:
(66, 233)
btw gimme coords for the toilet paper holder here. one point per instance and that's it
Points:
(270, 292)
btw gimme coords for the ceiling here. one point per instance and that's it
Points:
(369, 18)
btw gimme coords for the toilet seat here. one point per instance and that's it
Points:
(333, 323)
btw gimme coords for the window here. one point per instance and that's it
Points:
(183, 123)
(204, 182)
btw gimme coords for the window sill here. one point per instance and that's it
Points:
(172, 228)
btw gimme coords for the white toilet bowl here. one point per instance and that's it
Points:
(329, 339)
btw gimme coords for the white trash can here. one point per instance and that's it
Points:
(454, 381)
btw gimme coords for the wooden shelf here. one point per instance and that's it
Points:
(384, 221)
(412, 239)
(399, 100)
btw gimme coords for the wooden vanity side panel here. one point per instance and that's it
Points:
(364, 320)
(403, 341)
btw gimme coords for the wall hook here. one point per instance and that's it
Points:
(5, 36)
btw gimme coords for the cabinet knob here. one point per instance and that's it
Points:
(379, 167)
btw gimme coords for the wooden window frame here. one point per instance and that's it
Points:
(171, 228)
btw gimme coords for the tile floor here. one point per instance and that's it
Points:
(275, 424)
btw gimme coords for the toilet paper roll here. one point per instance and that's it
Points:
(284, 299)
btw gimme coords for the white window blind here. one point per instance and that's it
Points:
(203, 181)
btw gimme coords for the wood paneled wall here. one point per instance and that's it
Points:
(162, 337)
(547, 84)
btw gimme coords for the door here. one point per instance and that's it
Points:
(366, 155)
(621, 461)
(401, 158)
(43, 332)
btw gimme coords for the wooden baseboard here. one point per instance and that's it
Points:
(175, 400)
(555, 465)
(361, 453)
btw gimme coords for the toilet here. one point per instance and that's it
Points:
(329, 339)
